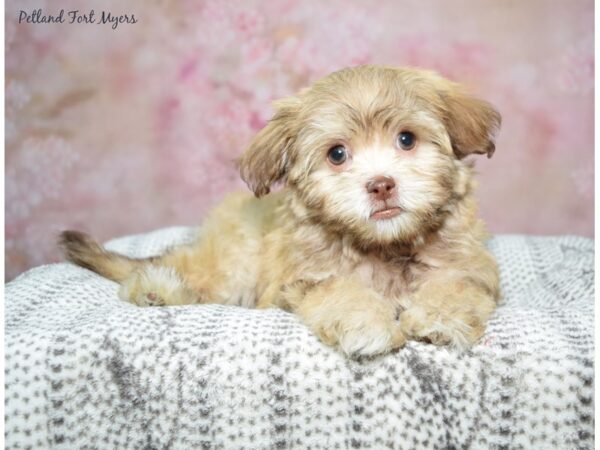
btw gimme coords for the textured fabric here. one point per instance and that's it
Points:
(86, 370)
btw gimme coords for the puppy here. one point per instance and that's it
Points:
(374, 237)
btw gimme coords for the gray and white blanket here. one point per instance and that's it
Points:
(86, 370)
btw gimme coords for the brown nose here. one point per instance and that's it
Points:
(381, 188)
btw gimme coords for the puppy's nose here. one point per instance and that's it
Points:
(381, 188)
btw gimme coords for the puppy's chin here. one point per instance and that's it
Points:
(405, 228)
(398, 228)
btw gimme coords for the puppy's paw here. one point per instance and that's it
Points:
(365, 331)
(366, 339)
(155, 286)
(460, 330)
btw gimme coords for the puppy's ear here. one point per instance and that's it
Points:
(471, 123)
(269, 155)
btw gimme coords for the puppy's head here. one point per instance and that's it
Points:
(376, 152)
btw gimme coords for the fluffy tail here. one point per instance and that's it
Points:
(81, 249)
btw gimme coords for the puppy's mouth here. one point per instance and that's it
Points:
(386, 213)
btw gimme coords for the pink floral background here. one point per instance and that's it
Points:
(123, 131)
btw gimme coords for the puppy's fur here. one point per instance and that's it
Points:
(361, 280)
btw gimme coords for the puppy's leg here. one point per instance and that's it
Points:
(449, 310)
(220, 267)
(155, 285)
(346, 314)
(145, 281)
(201, 272)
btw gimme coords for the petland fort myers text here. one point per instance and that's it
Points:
(76, 16)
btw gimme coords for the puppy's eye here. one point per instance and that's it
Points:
(337, 155)
(407, 140)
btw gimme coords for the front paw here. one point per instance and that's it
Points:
(461, 330)
(154, 286)
(370, 330)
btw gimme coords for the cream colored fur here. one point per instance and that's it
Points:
(362, 284)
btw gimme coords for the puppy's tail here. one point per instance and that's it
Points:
(81, 249)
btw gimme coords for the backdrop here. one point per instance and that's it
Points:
(118, 131)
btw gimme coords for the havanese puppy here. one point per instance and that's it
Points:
(373, 239)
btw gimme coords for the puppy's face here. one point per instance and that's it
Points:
(374, 152)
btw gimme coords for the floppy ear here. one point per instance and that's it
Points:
(267, 159)
(471, 123)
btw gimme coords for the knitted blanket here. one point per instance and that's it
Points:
(86, 370)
